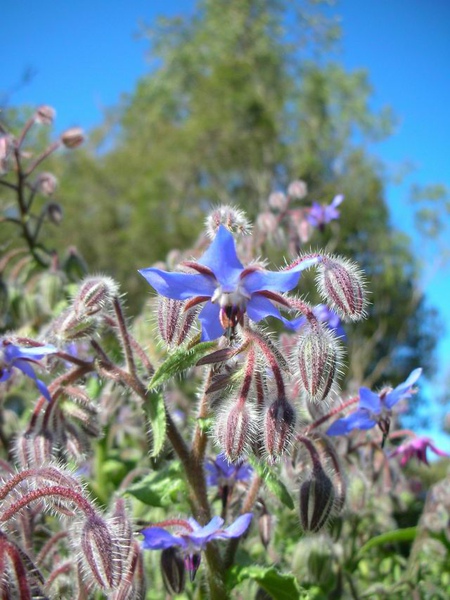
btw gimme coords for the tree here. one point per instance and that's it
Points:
(237, 104)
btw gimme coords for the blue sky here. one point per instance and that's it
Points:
(85, 54)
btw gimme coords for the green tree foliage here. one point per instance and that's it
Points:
(239, 101)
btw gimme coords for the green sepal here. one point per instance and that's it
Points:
(178, 362)
(280, 586)
(155, 410)
(273, 483)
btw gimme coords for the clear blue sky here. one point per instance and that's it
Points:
(85, 54)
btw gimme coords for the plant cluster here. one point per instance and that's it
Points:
(210, 428)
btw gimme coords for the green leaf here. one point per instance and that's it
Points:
(156, 413)
(273, 483)
(280, 586)
(399, 535)
(178, 362)
(161, 487)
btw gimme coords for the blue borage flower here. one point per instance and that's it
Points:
(192, 538)
(20, 357)
(228, 289)
(221, 472)
(375, 409)
(321, 214)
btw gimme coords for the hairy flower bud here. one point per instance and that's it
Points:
(279, 422)
(73, 137)
(69, 327)
(54, 213)
(297, 189)
(231, 217)
(341, 283)
(95, 294)
(45, 183)
(174, 322)
(6, 147)
(265, 527)
(101, 553)
(267, 223)
(317, 357)
(278, 201)
(173, 570)
(316, 500)
(44, 115)
(234, 430)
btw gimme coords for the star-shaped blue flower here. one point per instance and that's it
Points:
(374, 408)
(20, 357)
(192, 538)
(321, 214)
(228, 288)
(220, 472)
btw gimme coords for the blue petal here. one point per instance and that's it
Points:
(43, 389)
(276, 281)
(179, 286)
(360, 419)
(237, 528)
(204, 534)
(403, 390)
(369, 400)
(222, 259)
(209, 318)
(259, 308)
(27, 370)
(224, 466)
(12, 352)
(6, 374)
(156, 538)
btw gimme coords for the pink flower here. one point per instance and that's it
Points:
(416, 448)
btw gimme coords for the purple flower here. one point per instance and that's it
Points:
(220, 472)
(416, 448)
(228, 289)
(20, 357)
(321, 214)
(375, 409)
(192, 538)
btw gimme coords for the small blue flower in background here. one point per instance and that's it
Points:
(321, 214)
(220, 472)
(227, 288)
(20, 357)
(325, 315)
(192, 538)
(375, 408)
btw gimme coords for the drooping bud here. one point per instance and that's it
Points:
(69, 327)
(231, 217)
(297, 189)
(73, 137)
(316, 500)
(341, 283)
(173, 570)
(6, 147)
(94, 295)
(267, 223)
(174, 322)
(101, 552)
(278, 201)
(233, 429)
(45, 183)
(265, 527)
(279, 422)
(317, 358)
(44, 115)
(54, 212)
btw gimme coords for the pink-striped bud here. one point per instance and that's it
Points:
(174, 322)
(267, 223)
(316, 501)
(297, 189)
(279, 423)
(230, 217)
(101, 553)
(233, 430)
(73, 137)
(341, 283)
(69, 327)
(45, 183)
(278, 201)
(95, 294)
(317, 359)
(44, 115)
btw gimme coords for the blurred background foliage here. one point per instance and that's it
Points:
(228, 115)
